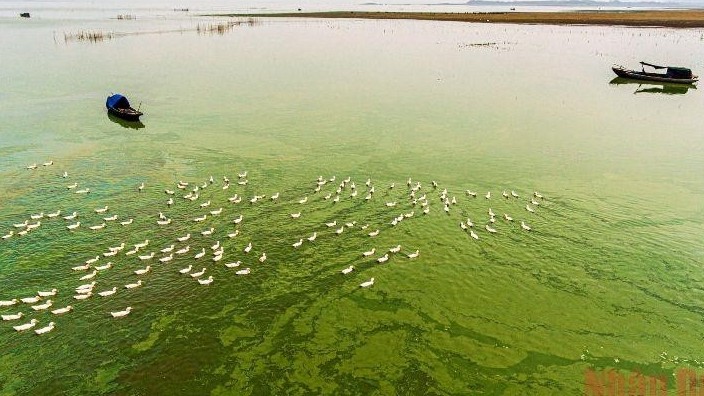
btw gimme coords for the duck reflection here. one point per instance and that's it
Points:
(653, 87)
(126, 124)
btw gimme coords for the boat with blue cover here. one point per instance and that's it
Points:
(119, 106)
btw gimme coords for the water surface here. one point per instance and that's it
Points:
(609, 275)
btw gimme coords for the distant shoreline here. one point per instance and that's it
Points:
(653, 18)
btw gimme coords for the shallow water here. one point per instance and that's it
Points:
(610, 270)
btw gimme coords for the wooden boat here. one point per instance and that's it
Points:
(119, 106)
(675, 75)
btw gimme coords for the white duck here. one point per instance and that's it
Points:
(248, 248)
(199, 273)
(49, 293)
(119, 314)
(74, 226)
(348, 270)
(8, 303)
(63, 310)
(89, 276)
(298, 244)
(262, 258)
(44, 306)
(233, 265)
(142, 244)
(383, 258)
(102, 210)
(184, 238)
(367, 283)
(206, 281)
(26, 326)
(245, 271)
(13, 317)
(133, 285)
(108, 292)
(167, 258)
(143, 270)
(186, 270)
(147, 256)
(201, 254)
(45, 329)
(86, 286)
(30, 300)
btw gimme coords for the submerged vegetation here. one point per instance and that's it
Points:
(88, 35)
(224, 27)
(95, 36)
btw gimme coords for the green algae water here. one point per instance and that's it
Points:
(608, 277)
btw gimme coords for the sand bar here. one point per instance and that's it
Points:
(656, 18)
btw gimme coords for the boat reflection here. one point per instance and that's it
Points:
(126, 124)
(650, 87)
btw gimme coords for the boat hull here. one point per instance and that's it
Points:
(128, 114)
(643, 76)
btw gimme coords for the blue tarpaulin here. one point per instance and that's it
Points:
(117, 101)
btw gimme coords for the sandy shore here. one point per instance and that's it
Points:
(660, 18)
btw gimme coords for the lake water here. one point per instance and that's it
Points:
(610, 275)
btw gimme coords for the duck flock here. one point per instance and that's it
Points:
(214, 235)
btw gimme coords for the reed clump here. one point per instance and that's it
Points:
(224, 27)
(88, 35)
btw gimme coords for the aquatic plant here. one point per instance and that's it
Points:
(88, 35)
